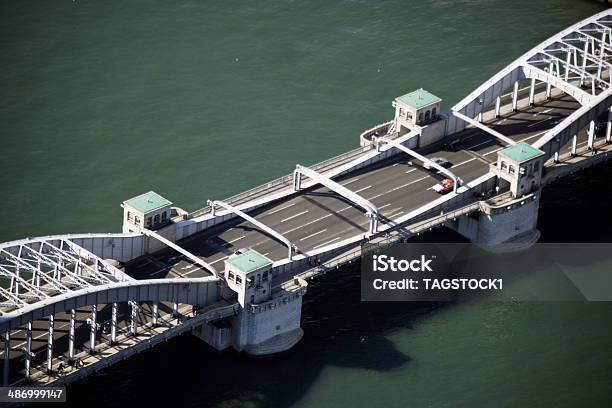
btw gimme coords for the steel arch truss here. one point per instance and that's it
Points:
(577, 61)
(35, 270)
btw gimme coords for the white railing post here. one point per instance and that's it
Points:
(114, 323)
(515, 96)
(71, 336)
(93, 329)
(497, 106)
(50, 345)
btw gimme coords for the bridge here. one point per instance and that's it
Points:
(234, 272)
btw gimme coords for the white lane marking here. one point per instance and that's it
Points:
(361, 189)
(312, 235)
(462, 163)
(455, 166)
(308, 223)
(538, 122)
(383, 206)
(395, 209)
(410, 171)
(546, 111)
(281, 209)
(393, 215)
(325, 243)
(407, 184)
(161, 270)
(295, 215)
(480, 144)
(266, 254)
(234, 240)
(349, 182)
(219, 260)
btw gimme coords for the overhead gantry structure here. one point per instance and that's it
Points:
(290, 247)
(370, 209)
(177, 248)
(487, 129)
(577, 61)
(379, 140)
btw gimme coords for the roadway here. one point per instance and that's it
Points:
(318, 217)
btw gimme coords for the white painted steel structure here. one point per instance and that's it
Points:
(423, 159)
(48, 275)
(371, 210)
(291, 247)
(182, 251)
(576, 58)
(487, 129)
(42, 268)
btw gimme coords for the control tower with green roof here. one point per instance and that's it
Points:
(267, 323)
(418, 107)
(149, 210)
(248, 274)
(521, 166)
(418, 111)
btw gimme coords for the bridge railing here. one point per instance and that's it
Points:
(395, 235)
(128, 345)
(284, 181)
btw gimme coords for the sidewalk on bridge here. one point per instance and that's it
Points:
(584, 158)
(106, 354)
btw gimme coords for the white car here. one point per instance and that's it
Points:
(440, 161)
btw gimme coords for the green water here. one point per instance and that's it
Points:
(200, 100)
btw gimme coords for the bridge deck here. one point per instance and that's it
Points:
(317, 217)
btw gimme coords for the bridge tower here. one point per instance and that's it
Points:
(511, 218)
(266, 324)
(419, 111)
(521, 166)
(148, 210)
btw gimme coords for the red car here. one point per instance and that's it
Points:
(444, 186)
